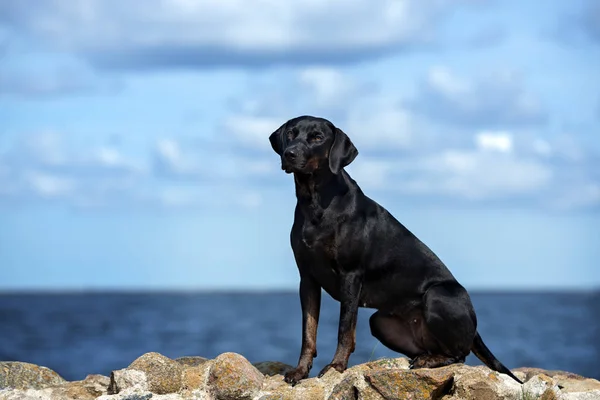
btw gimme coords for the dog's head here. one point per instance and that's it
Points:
(308, 144)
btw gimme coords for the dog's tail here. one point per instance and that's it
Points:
(485, 355)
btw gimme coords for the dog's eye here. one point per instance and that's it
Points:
(290, 135)
(317, 137)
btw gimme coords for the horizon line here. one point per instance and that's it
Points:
(264, 290)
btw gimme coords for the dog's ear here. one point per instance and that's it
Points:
(276, 139)
(342, 151)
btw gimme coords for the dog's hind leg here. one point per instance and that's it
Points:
(451, 326)
(394, 333)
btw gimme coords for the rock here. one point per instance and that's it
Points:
(163, 375)
(577, 388)
(481, 383)
(196, 377)
(274, 383)
(29, 394)
(277, 389)
(421, 384)
(136, 394)
(124, 379)
(272, 368)
(390, 363)
(21, 375)
(593, 395)
(541, 387)
(191, 361)
(578, 385)
(353, 387)
(572, 386)
(232, 377)
(531, 372)
(90, 388)
(353, 384)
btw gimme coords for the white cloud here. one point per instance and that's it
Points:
(184, 162)
(477, 175)
(171, 159)
(109, 157)
(374, 121)
(329, 86)
(385, 127)
(444, 81)
(471, 175)
(252, 131)
(494, 141)
(50, 165)
(371, 172)
(401, 151)
(49, 186)
(228, 31)
(498, 98)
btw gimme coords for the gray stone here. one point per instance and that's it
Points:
(21, 375)
(481, 383)
(163, 375)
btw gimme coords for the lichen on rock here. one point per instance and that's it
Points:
(230, 376)
(162, 374)
(22, 375)
(422, 384)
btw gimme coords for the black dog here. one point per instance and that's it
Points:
(355, 250)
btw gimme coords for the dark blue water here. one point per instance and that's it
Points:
(80, 334)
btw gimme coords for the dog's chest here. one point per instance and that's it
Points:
(319, 238)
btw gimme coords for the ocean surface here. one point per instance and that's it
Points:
(88, 333)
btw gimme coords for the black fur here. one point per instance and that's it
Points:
(354, 249)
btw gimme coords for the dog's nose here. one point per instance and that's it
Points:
(290, 154)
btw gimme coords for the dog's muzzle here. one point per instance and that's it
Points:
(292, 160)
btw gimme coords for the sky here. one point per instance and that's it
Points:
(134, 148)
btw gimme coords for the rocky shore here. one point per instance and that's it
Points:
(230, 376)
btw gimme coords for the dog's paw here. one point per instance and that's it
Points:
(431, 361)
(296, 375)
(339, 367)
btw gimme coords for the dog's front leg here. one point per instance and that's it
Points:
(310, 300)
(351, 286)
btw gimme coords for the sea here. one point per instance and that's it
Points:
(83, 333)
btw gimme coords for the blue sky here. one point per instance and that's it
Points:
(134, 145)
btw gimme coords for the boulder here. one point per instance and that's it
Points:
(353, 386)
(22, 375)
(232, 377)
(541, 387)
(276, 389)
(92, 387)
(163, 375)
(421, 384)
(196, 377)
(481, 383)
(125, 379)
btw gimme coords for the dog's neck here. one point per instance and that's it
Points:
(316, 191)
